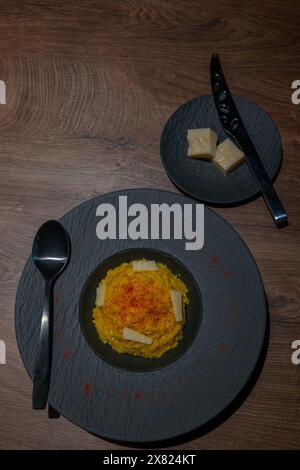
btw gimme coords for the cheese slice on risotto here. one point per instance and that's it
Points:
(144, 265)
(100, 297)
(176, 297)
(133, 335)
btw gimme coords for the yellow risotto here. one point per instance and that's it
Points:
(140, 303)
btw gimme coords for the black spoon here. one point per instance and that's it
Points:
(50, 253)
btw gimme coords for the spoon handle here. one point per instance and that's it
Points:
(41, 379)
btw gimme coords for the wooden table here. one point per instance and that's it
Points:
(89, 86)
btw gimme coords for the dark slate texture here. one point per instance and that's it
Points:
(164, 403)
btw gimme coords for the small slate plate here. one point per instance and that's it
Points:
(199, 178)
(114, 400)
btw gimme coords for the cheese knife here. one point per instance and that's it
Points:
(236, 130)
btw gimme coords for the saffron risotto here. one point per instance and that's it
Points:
(140, 309)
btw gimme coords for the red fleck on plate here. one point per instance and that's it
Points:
(187, 390)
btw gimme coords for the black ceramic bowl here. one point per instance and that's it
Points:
(125, 361)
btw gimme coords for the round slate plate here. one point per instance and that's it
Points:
(151, 405)
(199, 178)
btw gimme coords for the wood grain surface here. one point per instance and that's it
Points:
(90, 85)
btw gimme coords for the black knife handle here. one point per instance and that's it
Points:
(41, 379)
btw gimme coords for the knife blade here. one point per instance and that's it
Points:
(236, 130)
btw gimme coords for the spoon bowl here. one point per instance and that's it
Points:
(50, 250)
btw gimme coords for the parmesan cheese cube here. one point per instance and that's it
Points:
(132, 335)
(100, 298)
(228, 157)
(202, 143)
